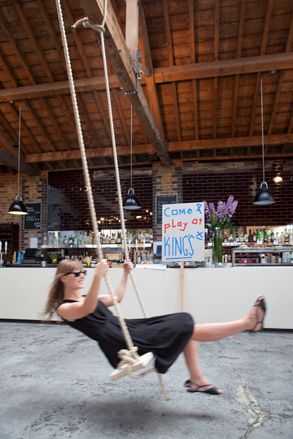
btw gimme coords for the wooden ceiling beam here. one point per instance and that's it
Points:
(151, 88)
(263, 46)
(171, 63)
(56, 88)
(12, 162)
(121, 61)
(192, 61)
(281, 78)
(32, 37)
(227, 67)
(131, 29)
(168, 33)
(125, 129)
(239, 157)
(238, 55)
(176, 111)
(25, 66)
(188, 145)
(216, 57)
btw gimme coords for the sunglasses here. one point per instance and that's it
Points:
(75, 273)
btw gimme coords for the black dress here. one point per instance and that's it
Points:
(165, 336)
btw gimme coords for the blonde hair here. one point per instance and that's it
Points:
(56, 292)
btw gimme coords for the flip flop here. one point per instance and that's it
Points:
(260, 301)
(213, 390)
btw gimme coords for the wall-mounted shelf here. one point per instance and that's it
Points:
(263, 256)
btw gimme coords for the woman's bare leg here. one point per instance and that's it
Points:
(193, 366)
(217, 331)
(192, 361)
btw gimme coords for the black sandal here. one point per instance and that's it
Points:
(213, 390)
(260, 301)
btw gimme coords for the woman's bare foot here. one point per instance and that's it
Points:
(256, 315)
(203, 386)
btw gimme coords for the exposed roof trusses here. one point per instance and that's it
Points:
(201, 63)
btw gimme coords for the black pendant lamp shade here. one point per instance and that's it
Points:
(264, 196)
(17, 207)
(131, 202)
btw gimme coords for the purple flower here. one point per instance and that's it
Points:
(220, 217)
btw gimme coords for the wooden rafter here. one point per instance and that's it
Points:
(216, 57)
(176, 110)
(263, 46)
(12, 162)
(171, 63)
(238, 55)
(192, 61)
(8, 154)
(151, 88)
(187, 145)
(221, 68)
(227, 67)
(13, 80)
(125, 130)
(122, 62)
(281, 77)
(131, 29)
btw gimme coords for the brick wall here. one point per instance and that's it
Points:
(166, 181)
(64, 198)
(35, 191)
(243, 185)
(8, 192)
(68, 206)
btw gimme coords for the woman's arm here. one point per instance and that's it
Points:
(120, 291)
(77, 310)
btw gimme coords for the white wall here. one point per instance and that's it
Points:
(210, 294)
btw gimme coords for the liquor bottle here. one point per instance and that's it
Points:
(254, 236)
(257, 235)
(265, 236)
(276, 239)
(250, 236)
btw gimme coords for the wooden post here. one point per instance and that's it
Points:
(131, 31)
(181, 287)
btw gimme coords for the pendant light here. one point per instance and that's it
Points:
(264, 196)
(131, 202)
(18, 207)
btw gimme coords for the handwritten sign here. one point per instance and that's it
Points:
(183, 232)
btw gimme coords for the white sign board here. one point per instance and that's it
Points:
(183, 232)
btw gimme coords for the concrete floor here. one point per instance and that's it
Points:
(54, 384)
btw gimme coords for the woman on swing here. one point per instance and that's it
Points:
(165, 336)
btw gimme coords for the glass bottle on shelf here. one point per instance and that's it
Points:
(276, 239)
(254, 236)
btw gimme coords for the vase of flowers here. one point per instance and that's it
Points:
(216, 220)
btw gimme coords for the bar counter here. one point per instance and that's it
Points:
(209, 294)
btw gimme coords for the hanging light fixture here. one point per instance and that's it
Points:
(131, 202)
(264, 196)
(277, 169)
(18, 207)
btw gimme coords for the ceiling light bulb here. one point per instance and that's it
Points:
(278, 179)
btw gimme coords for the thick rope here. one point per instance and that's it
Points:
(124, 328)
(117, 175)
(130, 356)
